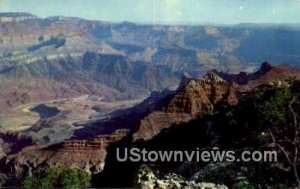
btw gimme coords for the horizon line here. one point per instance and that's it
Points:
(158, 23)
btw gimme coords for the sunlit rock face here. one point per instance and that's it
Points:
(197, 97)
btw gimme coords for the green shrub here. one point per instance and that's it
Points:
(67, 178)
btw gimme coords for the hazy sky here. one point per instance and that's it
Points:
(199, 11)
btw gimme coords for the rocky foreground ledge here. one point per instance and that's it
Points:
(148, 180)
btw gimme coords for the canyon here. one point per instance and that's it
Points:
(195, 97)
(74, 56)
(72, 90)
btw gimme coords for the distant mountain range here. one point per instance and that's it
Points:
(73, 56)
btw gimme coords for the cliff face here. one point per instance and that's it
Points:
(197, 97)
(85, 154)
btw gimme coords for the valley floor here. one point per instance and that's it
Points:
(72, 114)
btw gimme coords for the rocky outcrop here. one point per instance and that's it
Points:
(267, 74)
(243, 78)
(200, 95)
(197, 97)
(149, 180)
(85, 154)
(274, 75)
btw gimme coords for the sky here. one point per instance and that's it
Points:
(164, 11)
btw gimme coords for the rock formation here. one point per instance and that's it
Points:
(85, 154)
(197, 97)
(161, 111)
(148, 180)
(267, 74)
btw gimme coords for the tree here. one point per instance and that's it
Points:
(279, 110)
(290, 155)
